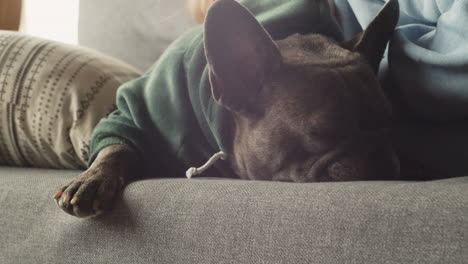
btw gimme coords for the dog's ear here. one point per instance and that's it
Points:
(372, 41)
(240, 54)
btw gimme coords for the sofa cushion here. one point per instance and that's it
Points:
(51, 97)
(236, 221)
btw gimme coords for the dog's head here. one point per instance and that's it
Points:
(305, 108)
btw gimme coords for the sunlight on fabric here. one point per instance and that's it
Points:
(51, 19)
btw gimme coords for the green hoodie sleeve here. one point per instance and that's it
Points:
(144, 104)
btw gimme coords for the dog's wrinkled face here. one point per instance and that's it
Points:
(305, 108)
(311, 121)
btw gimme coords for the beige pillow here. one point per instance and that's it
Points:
(51, 97)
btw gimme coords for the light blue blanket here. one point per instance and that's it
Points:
(428, 55)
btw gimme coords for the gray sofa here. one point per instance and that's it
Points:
(214, 220)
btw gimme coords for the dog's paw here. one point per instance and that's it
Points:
(90, 193)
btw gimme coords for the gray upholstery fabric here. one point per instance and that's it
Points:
(235, 221)
(136, 31)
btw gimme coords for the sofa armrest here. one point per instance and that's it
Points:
(237, 221)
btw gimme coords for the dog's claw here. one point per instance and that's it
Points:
(66, 199)
(58, 195)
(59, 203)
(74, 201)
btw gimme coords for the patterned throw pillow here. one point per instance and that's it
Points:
(51, 97)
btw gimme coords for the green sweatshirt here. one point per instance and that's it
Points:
(168, 116)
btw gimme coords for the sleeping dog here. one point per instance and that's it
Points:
(302, 108)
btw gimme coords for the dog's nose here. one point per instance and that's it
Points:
(376, 165)
(369, 157)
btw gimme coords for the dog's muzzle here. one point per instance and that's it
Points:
(365, 155)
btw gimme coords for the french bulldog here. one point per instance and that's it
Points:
(305, 108)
